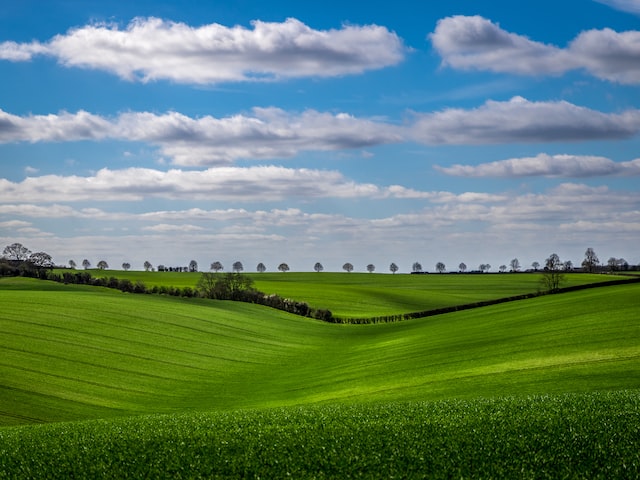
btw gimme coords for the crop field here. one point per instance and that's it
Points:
(370, 295)
(592, 436)
(155, 383)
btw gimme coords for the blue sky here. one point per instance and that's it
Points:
(299, 132)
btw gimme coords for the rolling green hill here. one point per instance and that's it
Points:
(72, 353)
(370, 295)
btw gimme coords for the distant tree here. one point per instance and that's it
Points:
(41, 259)
(484, 267)
(552, 275)
(86, 263)
(462, 267)
(237, 267)
(567, 266)
(230, 286)
(347, 267)
(440, 267)
(393, 267)
(216, 267)
(515, 265)
(371, 268)
(590, 262)
(615, 264)
(502, 268)
(16, 251)
(102, 265)
(72, 264)
(147, 266)
(283, 267)
(535, 265)
(416, 267)
(193, 266)
(126, 266)
(261, 268)
(318, 267)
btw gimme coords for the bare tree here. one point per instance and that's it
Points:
(552, 275)
(515, 265)
(72, 264)
(568, 266)
(102, 265)
(237, 267)
(484, 267)
(147, 266)
(440, 267)
(283, 267)
(347, 267)
(535, 265)
(371, 268)
(126, 266)
(318, 267)
(502, 268)
(590, 262)
(86, 263)
(462, 267)
(41, 259)
(261, 268)
(216, 267)
(393, 267)
(16, 251)
(193, 266)
(416, 267)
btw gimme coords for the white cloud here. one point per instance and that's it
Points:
(632, 6)
(252, 184)
(473, 42)
(520, 120)
(205, 141)
(153, 49)
(547, 165)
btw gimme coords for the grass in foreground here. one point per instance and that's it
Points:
(595, 435)
(72, 352)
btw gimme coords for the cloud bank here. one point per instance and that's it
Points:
(473, 42)
(269, 133)
(547, 165)
(150, 49)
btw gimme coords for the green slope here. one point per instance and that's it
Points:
(70, 353)
(370, 295)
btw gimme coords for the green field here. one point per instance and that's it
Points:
(272, 382)
(371, 295)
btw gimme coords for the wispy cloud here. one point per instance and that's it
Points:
(473, 42)
(154, 49)
(632, 6)
(571, 166)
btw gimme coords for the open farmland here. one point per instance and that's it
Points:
(72, 352)
(253, 392)
(370, 295)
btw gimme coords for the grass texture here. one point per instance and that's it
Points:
(595, 436)
(74, 353)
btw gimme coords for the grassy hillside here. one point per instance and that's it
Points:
(370, 295)
(592, 436)
(72, 352)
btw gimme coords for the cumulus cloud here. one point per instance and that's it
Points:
(205, 141)
(547, 165)
(155, 49)
(253, 184)
(520, 120)
(473, 42)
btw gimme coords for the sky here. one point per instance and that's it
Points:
(302, 132)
